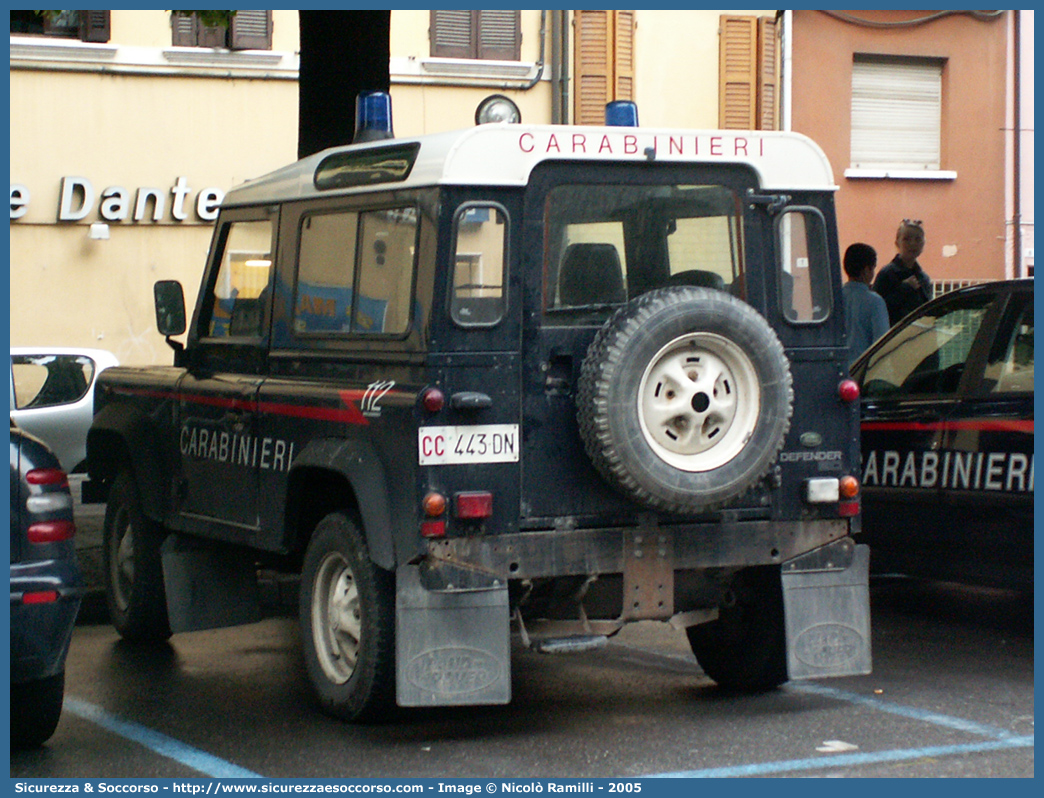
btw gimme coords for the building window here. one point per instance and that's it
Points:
(896, 113)
(87, 26)
(748, 67)
(604, 48)
(488, 35)
(247, 30)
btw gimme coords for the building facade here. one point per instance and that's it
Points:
(116, 185)
(917, 112)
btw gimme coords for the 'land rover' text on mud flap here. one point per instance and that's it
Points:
(537, 381)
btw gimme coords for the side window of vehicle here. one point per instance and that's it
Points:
(804, 263)
(1010, 369)
(355, 272)
(479, 294)
(325, 273)
(928, 355)
(50, 380)
(242, 281)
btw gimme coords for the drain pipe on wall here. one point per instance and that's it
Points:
(559, 67)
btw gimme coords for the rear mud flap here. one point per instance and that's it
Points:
(826, 601)
(208, 586)
(452, 647)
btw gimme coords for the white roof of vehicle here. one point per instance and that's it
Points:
(503, 154)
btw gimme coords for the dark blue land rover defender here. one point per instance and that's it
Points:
(531, 380)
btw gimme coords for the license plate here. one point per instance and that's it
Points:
(483, 443)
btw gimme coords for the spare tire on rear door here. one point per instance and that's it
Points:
(684, 399)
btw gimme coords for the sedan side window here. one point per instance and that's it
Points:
(1012, 370)
(928, 355)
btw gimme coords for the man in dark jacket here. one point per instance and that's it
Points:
(902, 282)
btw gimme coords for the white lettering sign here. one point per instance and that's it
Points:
(76, 201)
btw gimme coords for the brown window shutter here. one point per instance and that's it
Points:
(623, 60)
(499, 35)
(604, 62)
(768, 75)
(251, 30)
(183, 30)
(737, 74)
(94, 26)
(593, 66)
(451, 34)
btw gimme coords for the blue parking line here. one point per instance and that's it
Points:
(846, 760)
(207, 764)
(935, 718)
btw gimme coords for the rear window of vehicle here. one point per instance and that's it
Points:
(50, 380)
(608, 243)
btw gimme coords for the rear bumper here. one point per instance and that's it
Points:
(40, 632)
(482, 562)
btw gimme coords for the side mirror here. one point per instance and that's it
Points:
(170, 309)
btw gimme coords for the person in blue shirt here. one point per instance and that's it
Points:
(866, 314)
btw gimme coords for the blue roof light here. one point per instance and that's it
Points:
(373, 116)
(621, 113)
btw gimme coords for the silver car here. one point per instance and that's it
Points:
(52, 396)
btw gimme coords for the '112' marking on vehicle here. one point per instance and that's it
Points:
(482, 443)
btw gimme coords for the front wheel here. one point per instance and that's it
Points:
(134, 587)
(745, 648)
(348, 623)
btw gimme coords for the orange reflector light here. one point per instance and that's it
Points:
(433, 529)
(473, 505)
(434, 504)
(40, 597)
(51, 531)
(849, 487)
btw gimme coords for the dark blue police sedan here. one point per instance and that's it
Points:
(45, 588)
(947, 439)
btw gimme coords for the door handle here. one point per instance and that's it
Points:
(470, 400)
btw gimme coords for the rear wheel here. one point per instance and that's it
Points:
(36, 707)
(348, 623)
(745, 648)
(134, 587)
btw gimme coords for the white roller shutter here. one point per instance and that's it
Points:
(896, 114)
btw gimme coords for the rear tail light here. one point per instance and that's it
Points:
(478, 504)
(51, 531)
(47, 476)
(433, 505)
(848, 390)
(40, 597)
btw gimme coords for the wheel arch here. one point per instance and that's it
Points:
(119, 438)
(332, 474)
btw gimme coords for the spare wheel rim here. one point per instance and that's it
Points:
(698, 402)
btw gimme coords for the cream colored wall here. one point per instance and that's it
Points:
(152, 29)
(676, 66)
(676, 73)
(129, 131)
